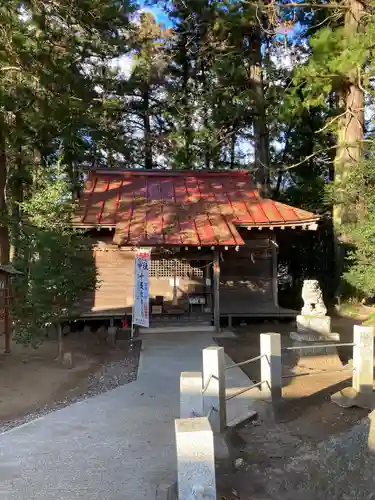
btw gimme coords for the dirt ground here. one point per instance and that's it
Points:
(33, 382)
(306, 417)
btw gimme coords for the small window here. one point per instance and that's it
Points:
(168, 268)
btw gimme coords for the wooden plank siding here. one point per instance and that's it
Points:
(114, 294)
(115, 288)
(245, 279)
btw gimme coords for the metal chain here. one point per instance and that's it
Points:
(244, 362)
(241, 391)
(207, 383)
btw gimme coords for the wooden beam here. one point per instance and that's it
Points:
(216, 273)
(208, 285)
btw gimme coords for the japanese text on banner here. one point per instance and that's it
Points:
(141, 287)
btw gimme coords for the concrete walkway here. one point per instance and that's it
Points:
(119, 445)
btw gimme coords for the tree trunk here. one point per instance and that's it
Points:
(259, 120)
(281, 171)
(60, 342)
(16, 180)
(37, 166)
(350, 137)
(73, 175)
(187, 130)
(17, 199)
(233, 148)
(333, 102)
(350, 127)
(4, 232)
(208, 146)
(70, 159)
(147, 128)
(348, 152)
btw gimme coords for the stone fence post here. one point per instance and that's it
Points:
(214, 403)
(270, 365)
(191, 399)
(363, 358)
(195, 459)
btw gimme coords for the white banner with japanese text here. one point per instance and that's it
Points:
(141, 308)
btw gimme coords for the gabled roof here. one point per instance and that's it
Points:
(153, 208)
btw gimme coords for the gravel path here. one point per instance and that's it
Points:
(108, 376)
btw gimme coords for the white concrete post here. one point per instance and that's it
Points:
(214, 387)
(191, 399)
(195, 459)
(363, 358)
(270, 365)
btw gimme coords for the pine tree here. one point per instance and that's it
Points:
(336, 76)
(145, 94)
(54, 68)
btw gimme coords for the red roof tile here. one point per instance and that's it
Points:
(180, 208)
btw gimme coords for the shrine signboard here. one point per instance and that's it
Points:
(141, 287)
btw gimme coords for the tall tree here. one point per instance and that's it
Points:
(54, 65)
(145, 86)
(335, 75)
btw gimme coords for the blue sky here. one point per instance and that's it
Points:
(159, 13)
(162, 17)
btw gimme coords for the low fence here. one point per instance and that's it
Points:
(203, 401)
(363, 358)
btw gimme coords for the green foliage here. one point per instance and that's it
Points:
(339, 54)
(211, 98)
(145, 100)
(204, 93)
(58, 90)
(60, 97)
(360, 234)
(50, 206)
(56, 260)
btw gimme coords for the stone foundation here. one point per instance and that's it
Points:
(316, 329)
(318, 326)
(313, 337)
(314, 326)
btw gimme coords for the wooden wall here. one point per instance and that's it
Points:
(115, 288)
(114, 294)
(246, 279)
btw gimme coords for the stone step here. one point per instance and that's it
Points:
(168, 324)
(178, 328)
(172, 323)
(182, 319)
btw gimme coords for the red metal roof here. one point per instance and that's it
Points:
(154, 208)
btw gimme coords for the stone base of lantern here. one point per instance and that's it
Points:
(315, 328)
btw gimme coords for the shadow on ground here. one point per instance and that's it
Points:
(288, 452)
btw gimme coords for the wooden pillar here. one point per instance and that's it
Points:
(274, 272)
(216, 269)
(208, 287)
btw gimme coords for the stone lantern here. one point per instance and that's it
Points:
(6, 272)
